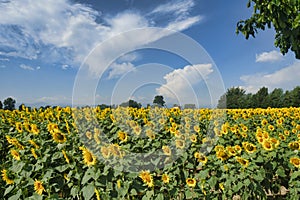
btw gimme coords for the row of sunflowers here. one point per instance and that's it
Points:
(149, 153)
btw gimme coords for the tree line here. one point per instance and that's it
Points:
(237, 97)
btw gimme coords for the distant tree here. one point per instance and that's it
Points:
(283, 15)
(233, 98)
(189, 106)
(1, 105)
(159, 100)
(276, 98)
(9, 103)
(260, 99)
(103, 106)
(295, 95)
(131, 103)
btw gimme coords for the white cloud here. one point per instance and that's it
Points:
(181, 83)
(38, 68)
(4, 59)
(64, 32)
(26, 67)
(64, 67)
(285, 78)
(117, 69)
(271, 56)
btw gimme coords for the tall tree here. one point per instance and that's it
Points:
(276, 98)
(283, 15)
(260, 99)
(233, 98)
(9, 103)
(159, 100)
(295, 94)
(131, 103)
(1, 105)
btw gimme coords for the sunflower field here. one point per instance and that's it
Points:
(149, 153)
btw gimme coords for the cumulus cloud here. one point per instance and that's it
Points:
(181, 83)
(271, 56)
(65, 32)
(117, 69)
(286, 78)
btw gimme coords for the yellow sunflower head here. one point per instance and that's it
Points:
(242, 161)
(6, 178)
(88, 157)
(191, 182)
(15, 154)
(122, 136)
(165, 178)
(167, 151)
(179, 144)
(58, 136)
(147, 178)
(267, 145)
(38, 187)
(295, 161)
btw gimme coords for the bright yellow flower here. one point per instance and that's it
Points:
(249, 148)
(89, 135)
(231, 151)
(294, 145)
(34, 129)
(179, 144)
(165, 178)
(295, 161)
(33, 144)
(88, 157)
(242, 161)
(150, 134)
(118, 183)
(65, 156)
(97, 194)
(6, 178)
(219, 148)
(33, 153)
(147, 178)
(191, 182)
(122, 136)
(38, 187)
(15, 154)
(167, 151)
(193, 138)
(105, 152)
(197, 128)
(202, 158)
(267, 145)
(222, 155)
(58, 136)
(19, 127)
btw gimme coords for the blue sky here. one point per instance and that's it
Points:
(44, 44)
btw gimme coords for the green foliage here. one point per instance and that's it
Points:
(159, 100)
(283, 15)
(1, 105)
(9, 103)
(131, 103)
(237, 98)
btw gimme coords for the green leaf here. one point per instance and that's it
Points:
(295, 175)
(188, 194)
(88, 191)
(17, 167)
(148, 195)
(280, 171)
(16, 196)
(74, 191)
(7, 190)
(160, 196)
(87, 176)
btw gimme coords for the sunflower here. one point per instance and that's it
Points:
(193, 138)
(203, 159)
(147, 178)
(231, 151)
(65, 156)
(38, 187)
(88, 157)
(150, 134)
(34, 129)
(295, 161)
(281, 136)
(15, 154)
(238, 148)
(97, 194)
(19, 127)
(115, 150)
(137, 129)
(105, 152)
(58, 136)
(219, 148)
(179, 144)
(222, 155)
(264, 122)
(118, 183)
(275, 142)
(33, 153)
(294, 130)
(294, 145)
(197, 128)
(249, 148)
(167, 151)
(5, 177)
(267, 145)
(122, 136)
(197, 155)
(89, 135)
(165, 178)
(271, 127)
(242, 161)
(191, 182)
(33, 144)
